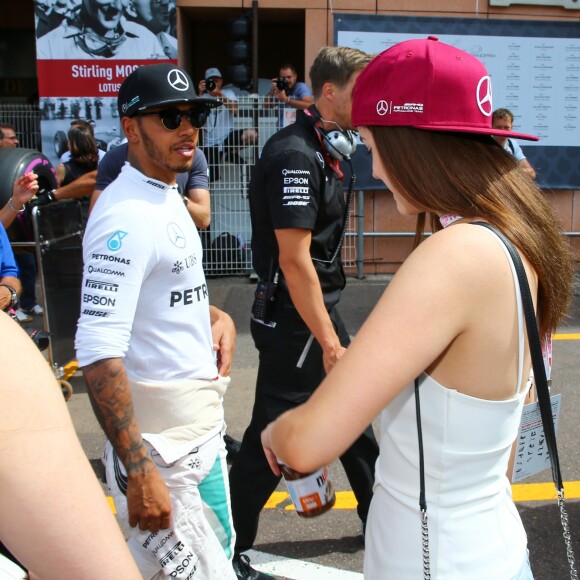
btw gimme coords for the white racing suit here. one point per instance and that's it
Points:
(145, 300)
(201, 530)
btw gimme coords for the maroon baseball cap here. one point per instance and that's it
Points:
(428, 85)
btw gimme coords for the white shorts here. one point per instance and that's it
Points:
(200, 540)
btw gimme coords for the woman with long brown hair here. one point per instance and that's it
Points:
(84, 154)
(451, 318)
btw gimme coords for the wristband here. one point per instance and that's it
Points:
(11, 207)
(13, 296)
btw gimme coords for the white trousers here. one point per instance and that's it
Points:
(200, 540)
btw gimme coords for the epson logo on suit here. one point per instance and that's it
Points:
(99, 300)
(181, 568)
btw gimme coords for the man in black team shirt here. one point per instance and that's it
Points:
(297, 206)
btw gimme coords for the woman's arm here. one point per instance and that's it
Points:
(25, 187)
(82, 186)
(60, 173)
(430, 318)
(55, 517)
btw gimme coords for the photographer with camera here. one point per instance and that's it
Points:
(219, 140)
(292, 95)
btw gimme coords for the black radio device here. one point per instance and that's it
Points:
(264, 298)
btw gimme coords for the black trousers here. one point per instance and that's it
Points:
(281, 386)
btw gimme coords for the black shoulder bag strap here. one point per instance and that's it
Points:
(543, 391)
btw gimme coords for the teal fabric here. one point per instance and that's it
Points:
(215, 496)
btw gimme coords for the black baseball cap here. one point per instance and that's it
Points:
(158, 84)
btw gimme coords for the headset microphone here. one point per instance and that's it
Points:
(339, 144)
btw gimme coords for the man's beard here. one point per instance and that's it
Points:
(161, 159)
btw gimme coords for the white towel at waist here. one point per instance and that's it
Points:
(177, 417)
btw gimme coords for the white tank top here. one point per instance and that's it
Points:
(474, 528)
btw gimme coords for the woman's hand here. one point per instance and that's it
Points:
(270, 455)
(25, 188)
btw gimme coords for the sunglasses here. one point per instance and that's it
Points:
(171, 118)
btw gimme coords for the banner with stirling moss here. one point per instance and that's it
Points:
(84, 50)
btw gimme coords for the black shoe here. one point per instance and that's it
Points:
(244, 571)
(232, 446)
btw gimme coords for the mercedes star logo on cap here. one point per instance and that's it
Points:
(177, 80)
(382, 107)
(484, 96)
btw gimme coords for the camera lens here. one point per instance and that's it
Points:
(210, 85)
(281, 84)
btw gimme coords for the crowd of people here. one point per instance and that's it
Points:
(157, 356)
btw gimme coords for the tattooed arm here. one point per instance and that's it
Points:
(110, 396)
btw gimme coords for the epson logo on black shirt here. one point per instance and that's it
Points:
(296, 180)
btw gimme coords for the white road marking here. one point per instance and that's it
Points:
(297, 569)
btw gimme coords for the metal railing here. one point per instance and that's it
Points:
(228, 243)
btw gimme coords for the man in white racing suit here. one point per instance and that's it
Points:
(147, 341)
